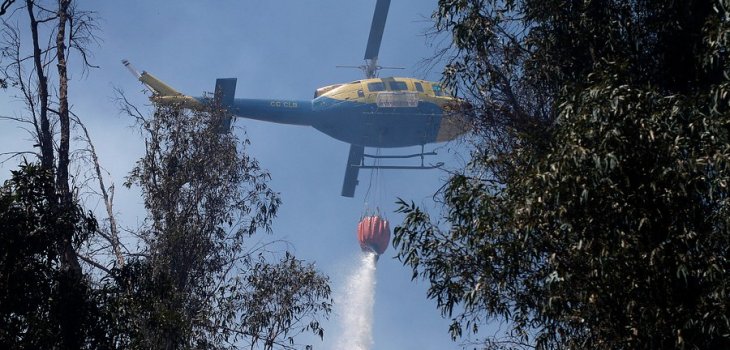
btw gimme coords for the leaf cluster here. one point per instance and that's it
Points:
(594, 216)
(33, 284)
(205, 197)
(282, 298)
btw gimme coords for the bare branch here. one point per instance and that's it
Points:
(5, 5)
(128, 107)
(114, 232)
(16, 119)
(95, 264)
(12, 155)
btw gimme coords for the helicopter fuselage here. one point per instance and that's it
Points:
(373, 112)
(379, 112)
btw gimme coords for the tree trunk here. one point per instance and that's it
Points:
(45, 139)
(72, 298)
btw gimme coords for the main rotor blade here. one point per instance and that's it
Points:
(376, 29)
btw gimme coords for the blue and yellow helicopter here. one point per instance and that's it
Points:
(372, 112)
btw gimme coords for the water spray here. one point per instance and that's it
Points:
(357, 306)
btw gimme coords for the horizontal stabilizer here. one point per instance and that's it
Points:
(161, 92)
(157, 86)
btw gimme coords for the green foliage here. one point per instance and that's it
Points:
(142, 309)
(282, 298)
(198, 286)
(195, 185)
(32, 282)
(596, 216)
(192, 282)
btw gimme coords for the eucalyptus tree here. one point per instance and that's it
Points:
(594, 212)
(198, 281)
(39, 40)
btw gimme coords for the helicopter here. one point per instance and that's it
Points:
(373, 112)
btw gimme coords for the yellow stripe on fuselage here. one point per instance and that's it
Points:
(454, 120)
(365, 91)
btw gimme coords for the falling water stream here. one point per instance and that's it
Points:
(357, 306)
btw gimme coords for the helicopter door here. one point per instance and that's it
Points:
(396, 99)
(396, 96)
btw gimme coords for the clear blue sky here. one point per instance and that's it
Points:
(276, 49)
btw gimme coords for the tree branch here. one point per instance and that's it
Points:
(114, 232)
(95, 264)
(5, 5)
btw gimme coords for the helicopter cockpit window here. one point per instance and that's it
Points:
(437, 90)
(419, 87)
(398, 85)
(379, 86)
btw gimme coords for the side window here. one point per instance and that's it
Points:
(437, 90)
(419, 87)
(398, 85)
(360, 93)
(379, 86)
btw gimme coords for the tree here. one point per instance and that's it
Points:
(33, 307)
(45, 92)
(185, 285)
(594, 216)
(281, 301)
(3, 9)
(205, 196)
(5, 5)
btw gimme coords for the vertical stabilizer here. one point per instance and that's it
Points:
(225, 91)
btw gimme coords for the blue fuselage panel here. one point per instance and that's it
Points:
(277, 111)
(353, 122)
